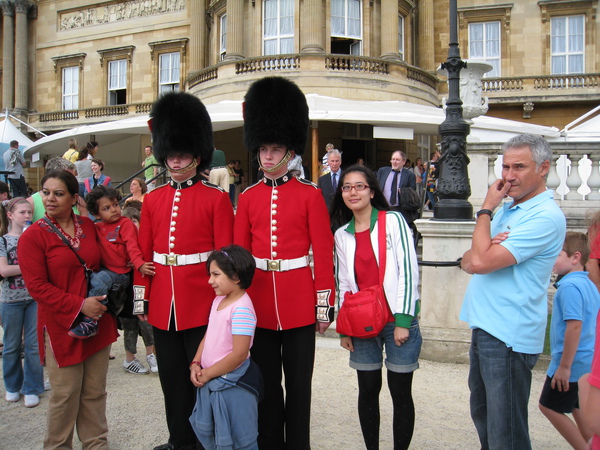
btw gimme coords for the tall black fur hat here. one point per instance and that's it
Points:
(180, 124)
(275, 112)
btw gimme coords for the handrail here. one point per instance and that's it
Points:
(127, 180)
(440, 263)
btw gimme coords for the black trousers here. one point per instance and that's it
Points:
(175, 350)
(285, 423)
(18, 186)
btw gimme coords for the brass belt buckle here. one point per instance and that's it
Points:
(274, 265)
(171, 260)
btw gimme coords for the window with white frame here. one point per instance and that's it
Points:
(278, 27)
(401, 35)
(70, 88)
(567, 44)
(484, 44)
(223, 36)
(168, 68)
(346, 27)
(117, 82)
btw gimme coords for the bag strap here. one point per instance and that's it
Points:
(381, 238)
(68, 244)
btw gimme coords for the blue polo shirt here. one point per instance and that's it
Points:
(511, 303)
(577, 298)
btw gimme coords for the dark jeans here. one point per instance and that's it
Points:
(175, 350)
(18, 186)
(285, 423)
(500, 383)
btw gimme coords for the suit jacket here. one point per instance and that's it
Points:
(326, 186)
(407, 179)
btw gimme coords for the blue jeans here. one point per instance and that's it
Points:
(20, 319)
(103, 280)
(500, 383)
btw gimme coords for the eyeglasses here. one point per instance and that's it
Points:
(357, 187)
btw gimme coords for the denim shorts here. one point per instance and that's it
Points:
(368, 353)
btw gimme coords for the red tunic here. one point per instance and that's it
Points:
(191, 217)
(281, 220)
(119, 245)
(56, 280)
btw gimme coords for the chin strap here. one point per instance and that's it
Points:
(276, 167)
(187, 168)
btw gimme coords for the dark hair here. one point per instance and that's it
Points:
(4, 189)
(577, 242)
(67, 178)
(99, 192)
(99, 162)
(132, 213)
(142, 184)
(339, 213)
(135, 204)
(92, 145)
(83, 154)
(236, 262)
(14, 143)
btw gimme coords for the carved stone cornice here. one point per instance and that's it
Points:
(555, 7)
(174, 45)
(487, 12)
(69, 60)
(8, 8)
(116, 53)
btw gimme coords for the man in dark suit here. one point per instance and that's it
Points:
(328, 183)
(396, 177)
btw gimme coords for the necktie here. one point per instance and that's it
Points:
(334, 181)
(394, 195)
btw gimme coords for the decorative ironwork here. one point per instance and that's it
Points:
(453, 183)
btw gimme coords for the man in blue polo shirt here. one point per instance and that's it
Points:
(506, 302)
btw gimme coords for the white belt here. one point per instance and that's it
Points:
(180, 260)
(281, 265)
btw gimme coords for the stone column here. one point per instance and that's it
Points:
(21, 54)
(235, 30)
(312, 20)
(8, 55)
(389, 31)
(426, 59)
(197, 35)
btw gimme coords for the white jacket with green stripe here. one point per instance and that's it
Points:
(401, 278)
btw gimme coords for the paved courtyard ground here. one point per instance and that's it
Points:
(136, 413)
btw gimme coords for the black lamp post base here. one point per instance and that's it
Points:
(453, 209)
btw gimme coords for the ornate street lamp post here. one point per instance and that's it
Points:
(453, 182)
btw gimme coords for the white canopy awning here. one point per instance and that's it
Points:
(228, 114)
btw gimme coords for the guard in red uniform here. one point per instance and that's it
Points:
(278, 220)
(182, 222)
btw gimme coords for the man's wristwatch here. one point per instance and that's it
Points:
(485, 211)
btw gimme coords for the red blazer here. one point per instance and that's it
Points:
(55, 279)
(194, 218)
(282, 222)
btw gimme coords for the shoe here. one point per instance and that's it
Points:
(31, 401)
(134, 366)
(13, 396)
(85, 329)
(47, 386)
(151, 359)
(167, 446)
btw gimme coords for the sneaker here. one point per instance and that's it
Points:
(47, 386)
(31, 401)
(151, 358)
(85, 329)
(134, 366)
(13, 396)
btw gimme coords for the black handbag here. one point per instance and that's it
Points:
(116, 296)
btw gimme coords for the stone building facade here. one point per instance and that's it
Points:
(69, 62)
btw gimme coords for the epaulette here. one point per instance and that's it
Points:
(250, 187)
(214, 186)
(307, 182)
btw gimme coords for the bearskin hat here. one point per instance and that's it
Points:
(275, 112)
(180, 124)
